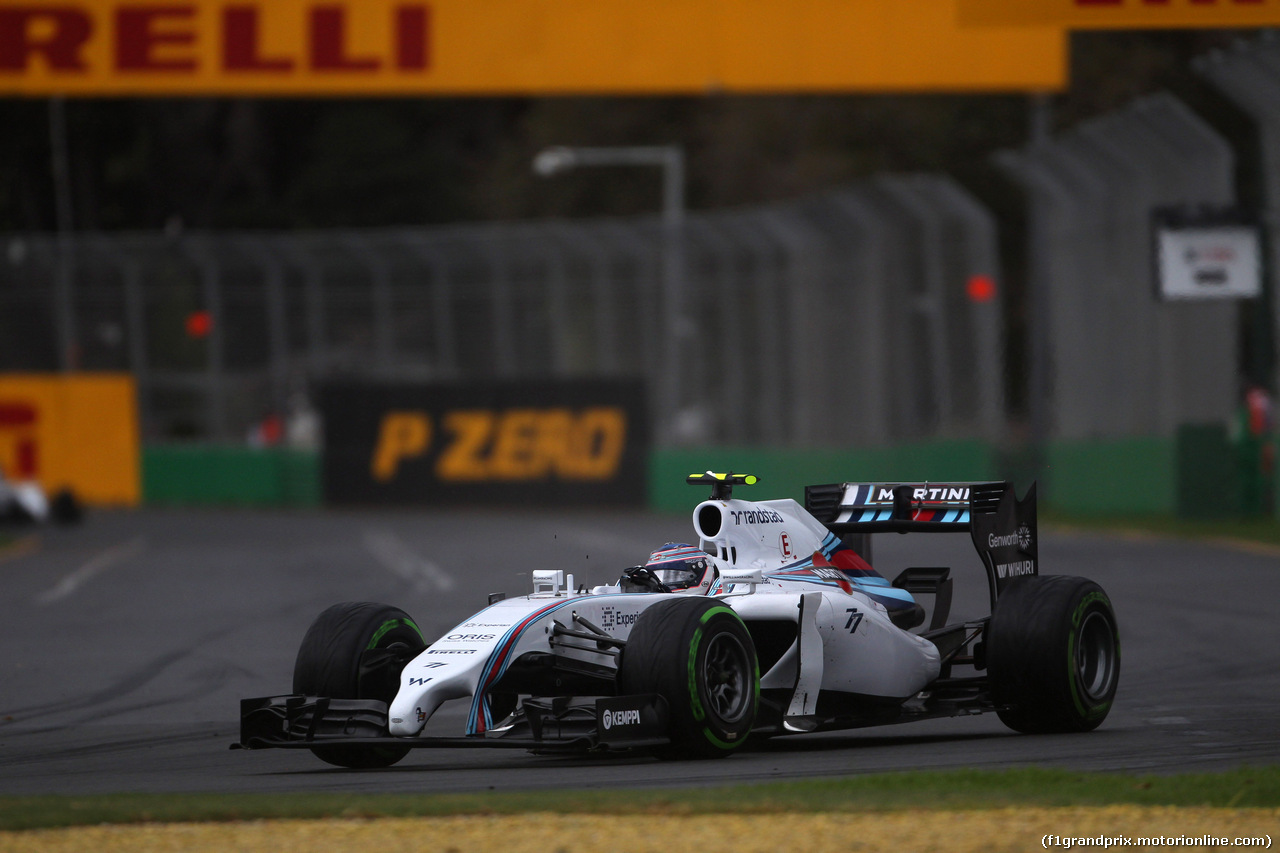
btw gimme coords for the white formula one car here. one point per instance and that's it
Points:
(772, 624)
(24, 502)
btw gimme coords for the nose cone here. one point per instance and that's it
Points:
(406, 716)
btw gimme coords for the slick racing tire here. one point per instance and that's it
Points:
(328, 664)
(1053, 654)
(697, 654)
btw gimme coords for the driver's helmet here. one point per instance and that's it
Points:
(682, 568)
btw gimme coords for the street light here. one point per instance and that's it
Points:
(670, 158)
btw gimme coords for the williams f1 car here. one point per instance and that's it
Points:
(788, 630)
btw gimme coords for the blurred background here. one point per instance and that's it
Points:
(818, 241)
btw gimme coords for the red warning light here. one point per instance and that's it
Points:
(981, 288)
(198, 324)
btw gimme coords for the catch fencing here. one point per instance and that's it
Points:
(865, 316)
(1249, 75)
(844, 318)
(1108, 359)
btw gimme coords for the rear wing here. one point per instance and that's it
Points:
(1003, 528)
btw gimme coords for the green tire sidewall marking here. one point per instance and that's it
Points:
(706, 732)
(695, 703)
(389, 626)
(1100, 709)
(699, 713)
(734, 615)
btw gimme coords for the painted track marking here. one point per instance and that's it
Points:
(96, 566)
(401, 560)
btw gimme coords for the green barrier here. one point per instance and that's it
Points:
(214, 475)
(1130, 475)
(1192, 475)
(785, 473)
(1209, 475)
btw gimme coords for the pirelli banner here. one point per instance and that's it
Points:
(1121, 14)
(543, 442)
(75, 431)
(413, 48)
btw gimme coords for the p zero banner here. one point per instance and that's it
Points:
(502, 443)
(512, 47)
(1122, 14)
(77, 431)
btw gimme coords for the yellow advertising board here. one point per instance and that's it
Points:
(77, 431)
(1122, 14)
(496, 47)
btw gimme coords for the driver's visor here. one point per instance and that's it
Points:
(676, 577)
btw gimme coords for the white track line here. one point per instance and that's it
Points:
(401, 560)
(96, 566)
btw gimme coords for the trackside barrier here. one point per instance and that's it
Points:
(1197, 474)
(214, 475)
(836, 319)
(1108, 359)
(785, 473)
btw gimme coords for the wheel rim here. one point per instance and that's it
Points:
(1096, 656)
(727, 675)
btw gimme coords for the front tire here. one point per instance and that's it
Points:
(328, 664)
(1053, 654)
(697, 654)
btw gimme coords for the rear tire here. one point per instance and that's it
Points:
(328, 664)
(1053, 654)
(696, 653)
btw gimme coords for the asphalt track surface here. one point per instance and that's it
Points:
(127, 643)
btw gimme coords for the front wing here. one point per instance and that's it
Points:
(303, 722)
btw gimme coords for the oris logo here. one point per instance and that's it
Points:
(609, 719)
(469, 638)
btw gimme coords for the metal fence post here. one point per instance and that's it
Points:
(380, 294)
(199, 250)
(732, 399)
(801, 304)
(870, 410)
(980, 258)
(277, 331)
(135, 312)
(1250, 78)
(767, 364)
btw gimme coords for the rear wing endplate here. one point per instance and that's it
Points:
(1002, 527)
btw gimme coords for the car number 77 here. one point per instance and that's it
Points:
(855, 619)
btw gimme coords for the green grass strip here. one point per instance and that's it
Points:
(958, 789)
(1262, 530)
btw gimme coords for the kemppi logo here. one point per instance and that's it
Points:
(630, 717)
(19, 449)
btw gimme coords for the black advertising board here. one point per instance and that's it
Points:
(543, 442)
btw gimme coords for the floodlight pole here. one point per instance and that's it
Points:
(670, 158)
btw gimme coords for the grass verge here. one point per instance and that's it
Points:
(958, 790)
(1262, 530)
